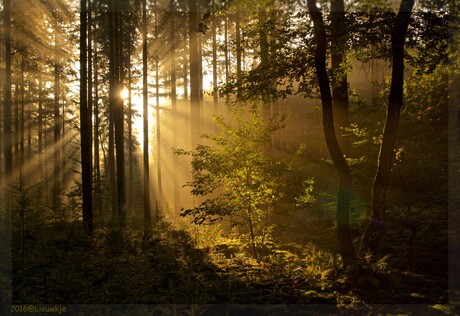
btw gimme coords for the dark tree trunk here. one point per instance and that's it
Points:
(40, 127)
(376, 228)
(238, 44)
(172, 30)
(339, 78)
(264, 60)
(57, 119)
(226, 60)
(7, 132)
(130, 138)
(116, 113)
(194, 73)
(215, 96)
(63, 149)
(85, 128)
(29, 127)
(16, 126)
(97, 167)
(344, 237)
(147, 212)
(22, 120)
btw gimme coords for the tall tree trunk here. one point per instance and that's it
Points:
(158, 131)
(194, 73)
(172, 31)
(238, 47)
(376, 228)
(342, 215)
(159, 203)
(90, 66)
(264, 59)
(339, 77)
(16, 127)
(7, 105)
(40, 126)
(215, 96)
(85, 125)
(63, 148)
(119, 119)
(130, 138)
(97, 166)
(226, 52)
(29, 126)
(57, 120)
(22, 120)
(147, 212)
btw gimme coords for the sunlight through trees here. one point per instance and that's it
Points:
(210, 151)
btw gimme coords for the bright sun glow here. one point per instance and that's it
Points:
(124, 93)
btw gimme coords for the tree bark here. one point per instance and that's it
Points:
(158, 129)
(339, 78)
(130, 138)
(342, 216)
(40, 127)
(147, 212)
(57, 118)
(194, 73)
(118, 116)
(264, 61)
(215, 97)
(22, 120)
(85, 125)
(376, 228)
(7, 132)
(172, 30)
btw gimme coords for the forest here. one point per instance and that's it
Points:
(229, 157)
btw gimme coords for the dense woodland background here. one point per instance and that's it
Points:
(230, 152)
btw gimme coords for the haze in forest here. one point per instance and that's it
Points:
(229, 152)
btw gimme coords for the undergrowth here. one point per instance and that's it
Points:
(60, 264)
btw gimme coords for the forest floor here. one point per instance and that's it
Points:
(62, 265)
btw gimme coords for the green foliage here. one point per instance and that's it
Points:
(306, 198)
(235, 175)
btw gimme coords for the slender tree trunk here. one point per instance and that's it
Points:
(97, 166)
(172, 30)
(264, 59)
(194, 73)
(63, 148)
(85, 125)
(57, 120)
(111, 147)
(29, 126)
(174, 104)
(344, 237)
(7, 132)
(159, 199)
(119, 120)
(215, 95)
(238, 46)
(157, 110)
(226, 59)
(376, 228)
(2, 104)
(339, 78)
(130, 138)
(147, 212)
(90, 65)
(40, 126)
(16, 127)
(186, 70)
(22, 120)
